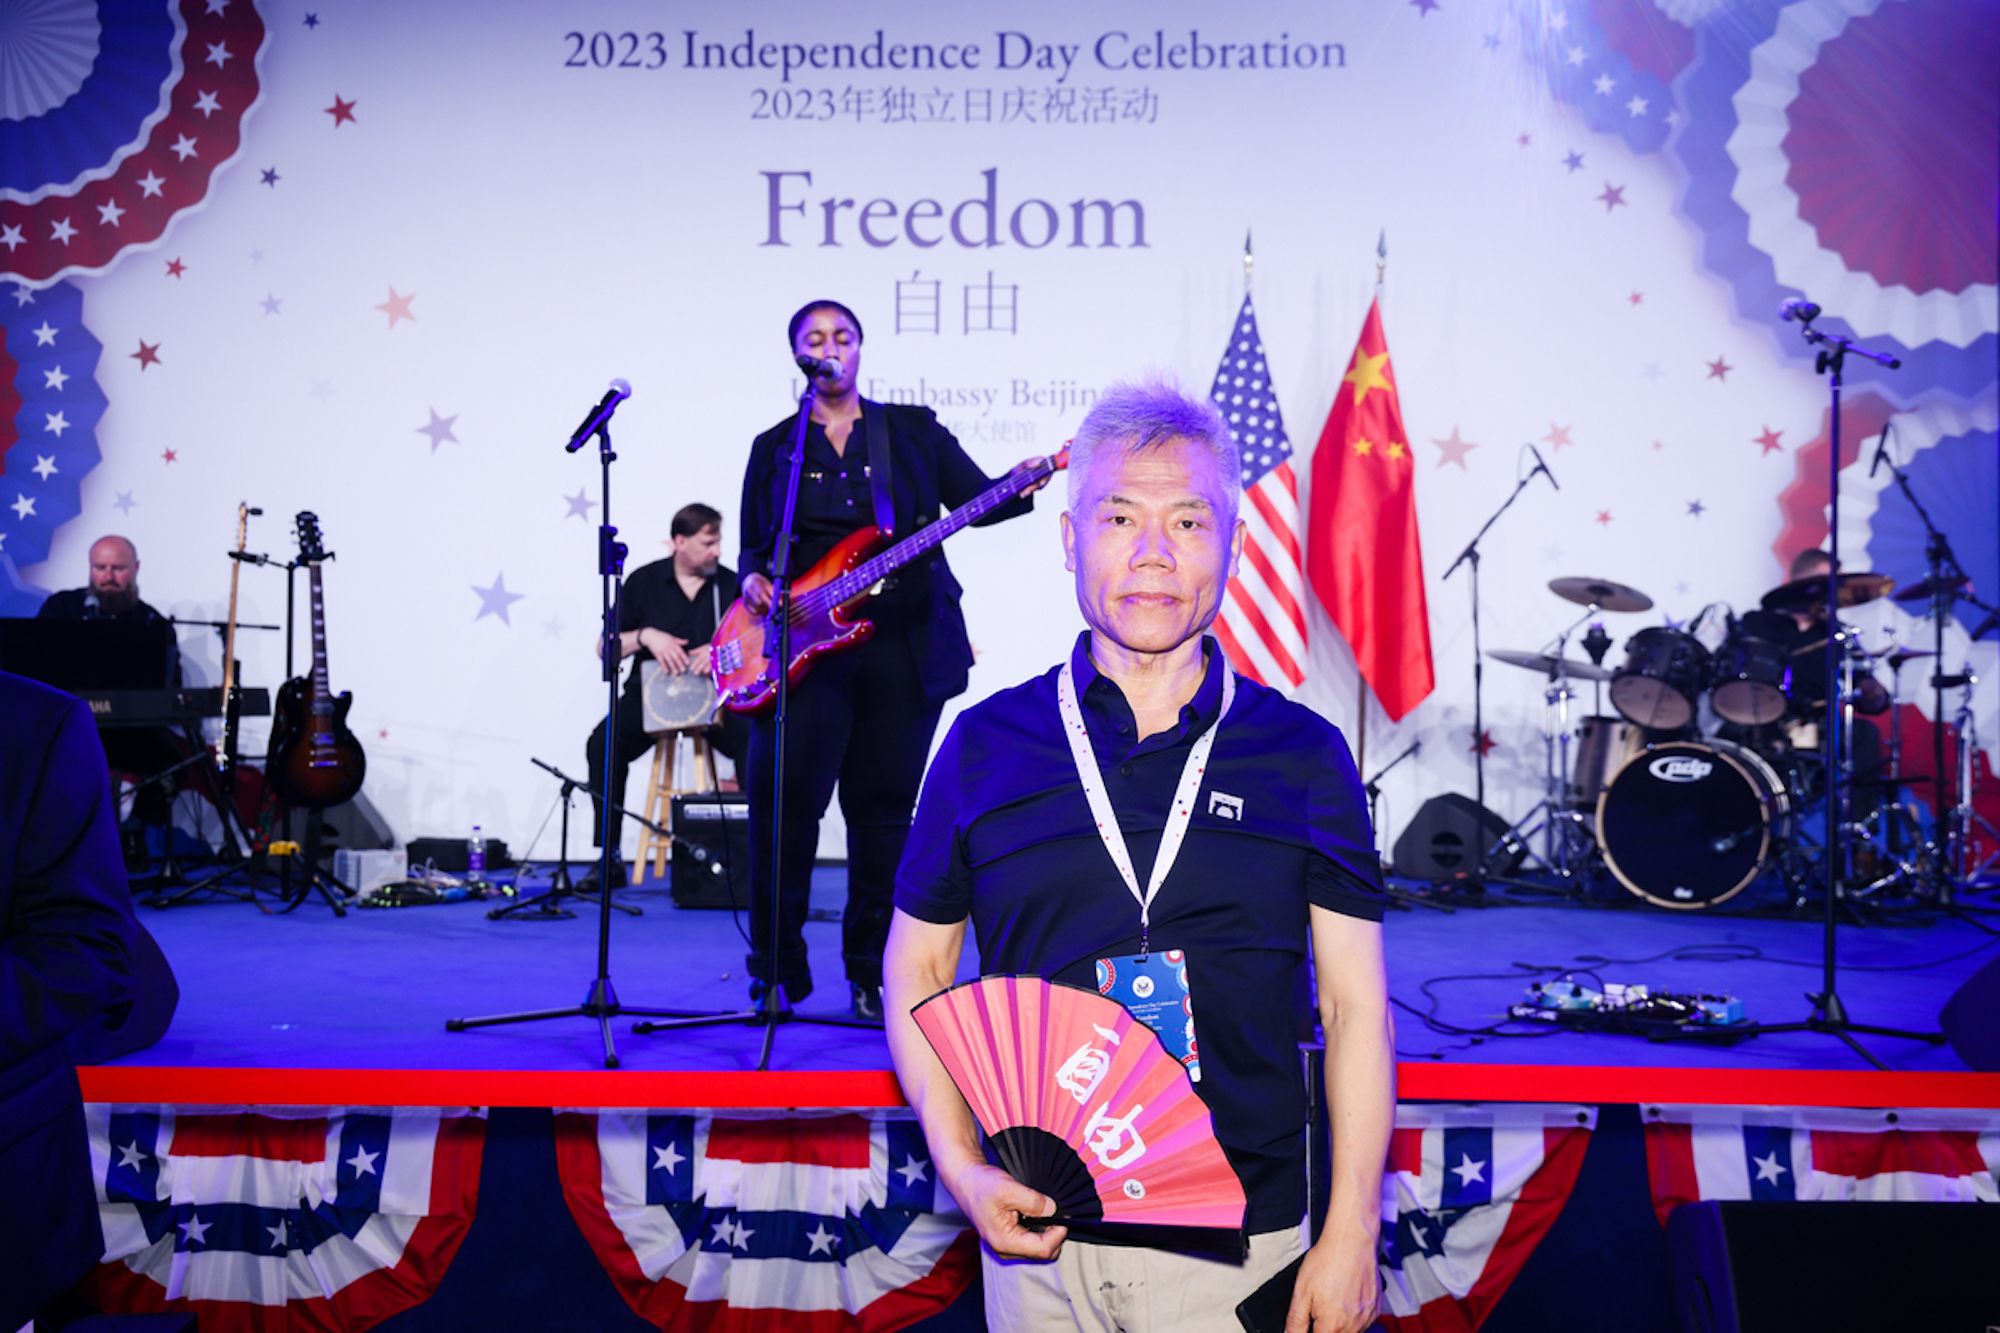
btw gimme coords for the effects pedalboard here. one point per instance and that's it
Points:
(1633, 1011)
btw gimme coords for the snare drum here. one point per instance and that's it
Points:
(1690, 824)
(1603, 746)
(1664, 674)
(1752, 670)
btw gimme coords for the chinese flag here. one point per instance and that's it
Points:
(1362, 554)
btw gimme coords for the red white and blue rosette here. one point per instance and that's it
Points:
(1614, 62)
(49, 409)
(115, 116)
(1842, 150)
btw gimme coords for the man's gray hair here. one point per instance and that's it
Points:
(1145, 414)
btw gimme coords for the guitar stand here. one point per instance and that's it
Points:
(330, 889)
(174, 889)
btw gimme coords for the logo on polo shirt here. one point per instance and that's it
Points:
(1224, 806)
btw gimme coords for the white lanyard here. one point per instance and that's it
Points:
(1182, 811)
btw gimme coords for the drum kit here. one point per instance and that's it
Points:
(1695, 783)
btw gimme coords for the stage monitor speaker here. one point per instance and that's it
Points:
(711, 861)
(1971, 1019)
(1446, 838)
(1749, 1267)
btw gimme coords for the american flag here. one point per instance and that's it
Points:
(1262, 625)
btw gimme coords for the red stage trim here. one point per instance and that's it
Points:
(1595, 1084)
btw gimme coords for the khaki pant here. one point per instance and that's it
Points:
(1116, 1289)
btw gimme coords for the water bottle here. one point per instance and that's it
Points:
(475, 854)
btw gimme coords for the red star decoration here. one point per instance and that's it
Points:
(397, 307)
(1636, 298)
(383, 734)
(1483, 743)
(175, 268)
(342, 112)
(1524, 140)
(147, 355)
(169, 455)
(1659, 444)
(1613, 196)
(1769, 439)
(1557, 437)
(1604, 517)
(1719, 369)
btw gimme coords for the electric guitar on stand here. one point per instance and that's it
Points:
(315, 760)
(825, 597)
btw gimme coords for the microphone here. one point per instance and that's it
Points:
(1543, 468)
(817, 368)
(90, 611)
(600, 415)
(1881, 451)
(1800, 309)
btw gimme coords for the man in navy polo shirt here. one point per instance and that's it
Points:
(1072, 861)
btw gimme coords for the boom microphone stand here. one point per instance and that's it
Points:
(773, 1008)
(601, 1000)
(1829, 1015)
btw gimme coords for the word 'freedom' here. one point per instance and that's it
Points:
(974, 223)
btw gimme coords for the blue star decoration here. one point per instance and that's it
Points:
(269, 176)
(439, 429)
(495, 600)
(312, 20)
(1574, 161)
(1696, 508)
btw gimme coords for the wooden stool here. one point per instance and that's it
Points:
(655, 849)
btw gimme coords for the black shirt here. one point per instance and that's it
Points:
(653, 599)
(1004, 835)
(76, 604)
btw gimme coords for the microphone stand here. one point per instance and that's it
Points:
(601, 1000)
(1470, 556)
(1829, 1015)
(1373, 787)
(773, 1008)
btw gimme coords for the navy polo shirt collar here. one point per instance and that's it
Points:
(1105, 703)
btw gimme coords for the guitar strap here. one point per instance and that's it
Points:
(881, 470)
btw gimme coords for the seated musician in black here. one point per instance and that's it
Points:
(669, 611)
(113, 594)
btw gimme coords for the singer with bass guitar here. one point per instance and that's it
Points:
(862, 719)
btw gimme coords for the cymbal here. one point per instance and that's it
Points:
(1924, 589)
(1603, 592)
(1809, 592)
(1897, 658)
(1546, 664)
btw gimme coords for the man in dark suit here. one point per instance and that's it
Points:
(66, 941)
(864, 719)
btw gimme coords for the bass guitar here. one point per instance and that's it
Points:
(315, 760)
(825, 597)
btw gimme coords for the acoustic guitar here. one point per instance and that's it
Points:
(315, 760)
(824, 598)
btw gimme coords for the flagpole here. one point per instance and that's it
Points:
(1361, 677)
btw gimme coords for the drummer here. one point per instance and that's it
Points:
(1807, 686)
(668, 611)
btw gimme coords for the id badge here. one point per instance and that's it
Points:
(1154, 989)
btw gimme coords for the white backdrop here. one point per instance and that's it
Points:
(1559, 271)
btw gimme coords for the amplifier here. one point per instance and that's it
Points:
(711, 861)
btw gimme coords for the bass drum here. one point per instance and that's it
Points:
(1690, 824)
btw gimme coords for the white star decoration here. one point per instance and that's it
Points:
(108, 213)
(208, 104)
(218, 53)
(723, 1230)
(54, 378)
(741, 1238)
(1468, 1170)
(22, 296)
(363, 1162)
(195, 1230)
(131, 1155)
(62, 231)
(277, 1233)
(1769, 1168)
(184, 148)
(45, 335)
(57, 423)
(12, 237)
(1637, 106)
(149, 185)
(494, 600)
(667, 1158)
(822, 1240)
(1604, 85)
(912, 1170)
(23, 507)
(45, 466)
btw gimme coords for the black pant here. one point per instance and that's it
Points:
(859, 720)
(728, 738)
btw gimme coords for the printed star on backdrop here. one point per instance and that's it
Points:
(1557, 437)
(1769, 1168)
(439, 430)
(22, 296)
(195, 1230)
(342, 112)
(269, 176)
(1613, 196)
(1658, 445)
(363, 1162)
(23, 507)
(1604, 517)
(207, 103)
(1453, 450)
(109, 213)
(494, 600)
(312, 20)
(1366, 373)
(1636, 107)
(1604, 85)
(1683, 587)
(124, 504)
(12, 238)
(579, 504)
(321, 390)
(1424, 7)
(913, 1170)
(55, 423)
(397, 307)
(147, 355)
(45, 466)
(271, 303)
(61, 230)
(1558, 21)
(1491, 41)
(1574, 161)
(1696, 508)
(552, 628)
(1469, 1170)
(45, 334)
(175, 268)
(54, 378)
(723, 1230)
(184, 148)
(1524, 139)
(1552, 554)
(131, 1155)
(1719, 369)
(218, 53)
(1637, 298)
(1575, 55)
(822, 1240)
(256, 256)
(740, 1236)
(150, 185)
(1769, 440)
(667, 1159)
(1651, 372)
(276, 1231)
(169, 455)
(1483, 743)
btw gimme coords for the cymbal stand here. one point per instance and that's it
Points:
(1962, 822)
(1560, 824)
(1374, 789)
(1902, 836)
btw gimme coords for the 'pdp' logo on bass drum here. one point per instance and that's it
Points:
(1680, 768)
